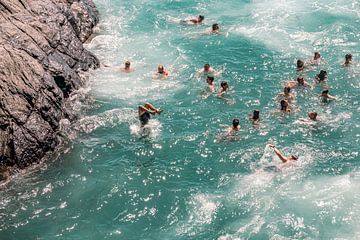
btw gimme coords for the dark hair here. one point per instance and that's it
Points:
(127, 63)
(348, 56)
(201, 17)
(326, 91)
(224, 84)
(287, 89)
(236, 122)
(299, 78)
(300, 64)
(282, 104)
(294, 157)
(210, 78)
(215, 26)
(256, 115)
(207, 65)
(316, 53)
(322, 75)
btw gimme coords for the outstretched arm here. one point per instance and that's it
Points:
(278, 153)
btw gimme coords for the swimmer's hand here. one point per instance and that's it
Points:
(158, 111)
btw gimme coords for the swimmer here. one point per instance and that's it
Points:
(161, 73)
(255, 117)
(325, 96)
(321, 77)
(286, 95)
(145, 111)
(300, 65)
(282, 157)
(127, 68)
(223, 88)
(211, 84)
(312, 116)
(206, 71)
(299, 82)
(316, 60)
(234, 127)
(215, 29)
(348, 60)
(284, 106)
(198, 20)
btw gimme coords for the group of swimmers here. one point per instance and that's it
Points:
(286, 98)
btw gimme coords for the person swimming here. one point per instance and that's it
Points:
(300, 82)
(215, 29)
(161, 73)
(283, 158)
(321, 77)
(223, 89)
(145, 111)
(312, 116)
(255, 117)
(234, 127)
(300, 65)
(210, 82)
(348, 60)
(284, 106)
(316, 60)
(206, 71)
(325, 96)
(127, 68)
(286, 95)
(197, 20)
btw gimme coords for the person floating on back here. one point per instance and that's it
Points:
(161, 73)
(145, 111)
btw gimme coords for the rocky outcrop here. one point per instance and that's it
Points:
(42, 55)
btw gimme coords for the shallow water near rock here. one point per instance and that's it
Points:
(181, 178)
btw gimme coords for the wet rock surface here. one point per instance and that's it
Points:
(42, 57)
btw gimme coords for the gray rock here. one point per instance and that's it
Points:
(42, 56)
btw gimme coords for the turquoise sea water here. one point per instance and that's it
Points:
(185, 180)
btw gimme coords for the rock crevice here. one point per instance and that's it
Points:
(42, 56)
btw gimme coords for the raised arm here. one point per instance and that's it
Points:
(279, 154)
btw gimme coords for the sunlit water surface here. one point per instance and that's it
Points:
(182, 179)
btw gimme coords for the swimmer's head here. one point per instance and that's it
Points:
(236, 123)
(215, 27)
(312, 115)
(201, 18)
(300, 64)
(348, 58)
(210, 79)
(284, 104)
(294, 157)
(207, 67)
(224, 85)
(300, 80)
(256, 115)
(322, 75)
(325, 92)
(127, 64)
(160, 69)
(287, 90)
(317, 55)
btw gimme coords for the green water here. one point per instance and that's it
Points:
(185, 180)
